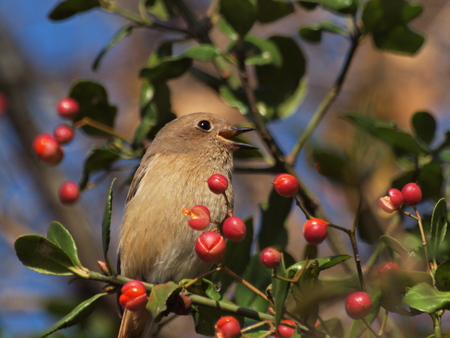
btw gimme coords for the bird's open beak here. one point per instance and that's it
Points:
(229, 133)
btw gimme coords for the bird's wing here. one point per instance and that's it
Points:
(146, 163)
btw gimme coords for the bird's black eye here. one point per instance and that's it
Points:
(204, 125)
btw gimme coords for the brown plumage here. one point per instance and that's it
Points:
(156, 244)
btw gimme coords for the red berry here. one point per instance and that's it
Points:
(234, 229)
(285, 185)
(69, 192)
(63, 133)
(210, 246)
(396, 197)
(217, 183)
(270, 258)
(200, 217)
(286, 331)
(315, 230)
(357, 305)
(228, 327)
(68, 108)
(47, 149)
(412, 194)
(388, 268)
(392, 201)
(134, 296)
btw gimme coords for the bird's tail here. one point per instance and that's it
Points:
(135, 324)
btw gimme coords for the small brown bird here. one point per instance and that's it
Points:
(156, 244)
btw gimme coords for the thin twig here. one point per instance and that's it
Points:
(326, 103)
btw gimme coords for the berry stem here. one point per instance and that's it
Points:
(366, 323)
(424, 240)
(355, 247)
(408, 214)
(87, 121)
(244, 282)
(436, 325)
(193, 281)
(329, 99)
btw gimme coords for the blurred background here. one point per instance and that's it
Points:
(40, 59)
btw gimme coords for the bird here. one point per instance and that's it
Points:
(156, 245)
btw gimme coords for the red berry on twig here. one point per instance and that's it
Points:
(315, 230)
(134, 296)
(69, 192)
(210, 246)
(48, 149)
(217, 183)
(270, 258)
(388, 268)
(200, 217)
(412, 194)
(68, 108)
(63, 133)
(228, 327)
(285, 185)
(234, 229)
(286, 331)
(357, 305)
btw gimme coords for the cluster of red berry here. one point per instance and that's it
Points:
(410, 194)
(211, 245)
(48, 147)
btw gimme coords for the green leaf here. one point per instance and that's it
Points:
(442, 276)
(388, 21)
(68, 8)
(226, 29)
(438, 227)
(339, 6)
(168, 68)
(260, 277)
(82, 311)
(323, 263)
(237, 256)
(59, 235)
(98, 159)
(203, 287)
(313, 33)
(240, 14)
(232, 100)
(204, 52)
(394, 244)
(274, 215)
(258, 51)
(106, 225)
(278, 84)
(280, 291)
(123, 33)
(93, 100)
(272, 10)
(156, 110)
(161, 9)
(424, 126)
(40, 254)
(424, 297)
(160, 295)
(307, 293)
(386, 132)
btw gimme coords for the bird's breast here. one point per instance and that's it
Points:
(156, 242)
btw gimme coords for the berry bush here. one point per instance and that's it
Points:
(277, 293)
